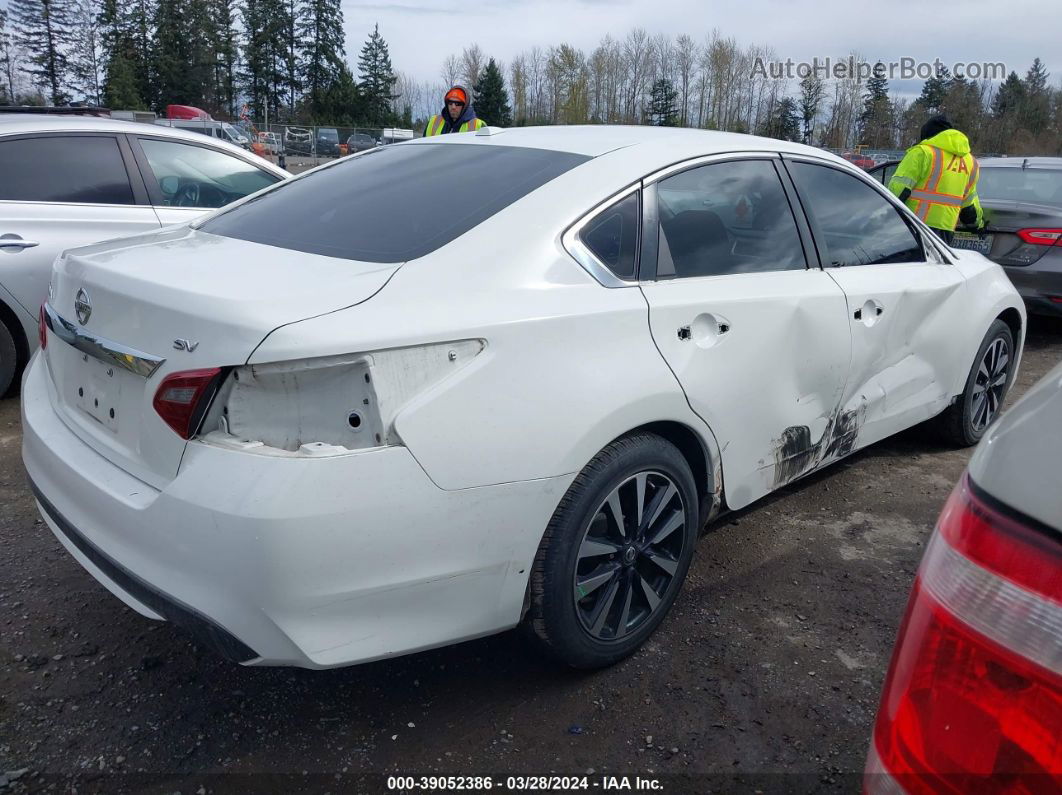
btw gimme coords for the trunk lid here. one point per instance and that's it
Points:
(188, 298)
(1005, 218)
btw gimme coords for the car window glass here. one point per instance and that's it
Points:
(887, 172)
(393, 204)
(612, 236)
(197, 176)
(856, 224)
(56, 168)
(1033, 185)
(724, 218)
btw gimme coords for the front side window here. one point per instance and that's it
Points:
(79, 169)
(855, 224)
(393, 204)
(197, 176)
(612, 236)
(730, 217)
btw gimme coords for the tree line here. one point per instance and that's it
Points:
(282, 59)
(285, 59)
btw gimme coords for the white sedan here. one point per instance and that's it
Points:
(69, 181)
(440, 389)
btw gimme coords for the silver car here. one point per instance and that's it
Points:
(72, 180)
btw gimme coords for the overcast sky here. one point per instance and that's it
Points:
(421, 33)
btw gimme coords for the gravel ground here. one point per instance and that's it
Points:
(765, 676)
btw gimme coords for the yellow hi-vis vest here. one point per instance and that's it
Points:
(438, 124)
(942, 181)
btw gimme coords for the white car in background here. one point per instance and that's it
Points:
(67, 181)
(346, 419)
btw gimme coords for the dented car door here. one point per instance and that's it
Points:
(903, 301)
(758, 339)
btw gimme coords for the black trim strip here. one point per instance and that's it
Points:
(1026, 521)
(199, 626)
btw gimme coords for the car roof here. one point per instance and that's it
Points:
(21, 123)
(1017, 161)
(597, 139)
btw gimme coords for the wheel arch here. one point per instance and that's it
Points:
(701, 454)
(11, 321)
(1012, 317)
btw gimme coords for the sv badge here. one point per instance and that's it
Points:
(185, 345)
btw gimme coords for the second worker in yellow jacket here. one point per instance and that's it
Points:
(937, 179)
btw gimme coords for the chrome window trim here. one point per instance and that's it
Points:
(702, 160)
(107, 351)
(75, 204)
(583, 255)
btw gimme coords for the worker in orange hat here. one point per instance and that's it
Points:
(457, 114)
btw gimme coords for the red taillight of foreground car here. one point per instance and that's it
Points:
(181, 399)
(1041, 237)
(973, 699)
(42, 328)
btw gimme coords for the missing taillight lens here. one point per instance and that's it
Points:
(1041, 237)
(182, 399)
(973, 698)
(42, 328)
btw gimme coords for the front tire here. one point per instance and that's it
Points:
(8, 358)
(615, 553)
(966, 420)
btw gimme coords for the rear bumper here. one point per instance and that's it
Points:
(283, 561)
(1040, 282)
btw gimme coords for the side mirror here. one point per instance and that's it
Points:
(169, 185)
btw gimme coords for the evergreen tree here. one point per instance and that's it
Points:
(320, 28)
(377, 82)
(172, 58)
(86, 63)
(342, 103)
(254, 74)
(1036, 110)
(812, 92)
(491, 98)
(289, 54)
(7, 63)
(934, 92)
(784, 122)
(122, 82)
(44, 29)
(226, 53)
(663, 104)
(1009, 98)
(875, 121)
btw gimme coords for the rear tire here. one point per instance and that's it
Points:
(965, 421)
(615, 553)
(8, 359)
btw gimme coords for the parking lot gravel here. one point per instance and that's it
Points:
(766, 676)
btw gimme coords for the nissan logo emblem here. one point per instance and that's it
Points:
(82, 307)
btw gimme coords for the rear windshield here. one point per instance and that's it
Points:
(1033, 185)
(393, 204)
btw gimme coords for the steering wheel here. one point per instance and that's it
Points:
(187, 195)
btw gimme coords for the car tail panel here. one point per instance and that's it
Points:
(128, 317)
(973, 698)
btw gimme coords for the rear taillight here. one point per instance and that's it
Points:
(182, 399)
(1041, 237)
(42, 328)
(973, 698)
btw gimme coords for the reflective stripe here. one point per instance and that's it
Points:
(932, 178)
(937, 198)
(908, 181)
(435, 125)
(971, 186)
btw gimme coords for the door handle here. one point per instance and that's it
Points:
(878, 310)
(16, 242)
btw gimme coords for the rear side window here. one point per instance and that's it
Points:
(1034, 185)
(722, 218)
(70, 169)
(612, 236)
(858, 225)
(393, 204)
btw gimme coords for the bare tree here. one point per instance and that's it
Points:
(451, 68)
(685, 62)
(472, 62)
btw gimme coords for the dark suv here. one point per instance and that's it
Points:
(327, 142)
